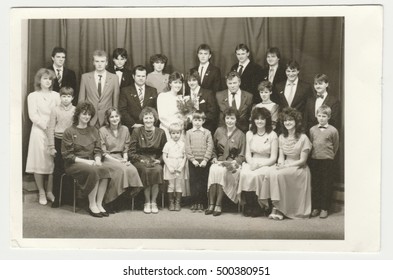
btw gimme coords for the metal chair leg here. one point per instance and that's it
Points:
(61, 187)
(74, 194)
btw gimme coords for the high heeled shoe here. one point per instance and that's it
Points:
(50, 197)
(95, 215)
(104, 214)
(217, 211)
(210, 210)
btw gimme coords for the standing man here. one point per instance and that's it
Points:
(64, 77)
(210, 74)
(119, 58)
(250, 72)
(100, 88)
(136, 97)
(293, 92)
(238, 99)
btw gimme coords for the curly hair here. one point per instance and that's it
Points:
(263, 113)
(265, 84)
(230, 111)
(158, 58)
(83, 107)
(292, 114)
(43, 72)
(108, 114)
(175, 76)
(148, 111)
(193, 75)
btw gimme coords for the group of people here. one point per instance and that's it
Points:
(133, 131)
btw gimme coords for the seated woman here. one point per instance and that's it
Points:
(81, 150)
(290, 181)
(228, 156)
(261, 153)
(145, 153)
(158, 79)
(115, 141)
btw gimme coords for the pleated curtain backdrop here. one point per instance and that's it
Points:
(317, 43)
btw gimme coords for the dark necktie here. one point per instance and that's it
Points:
(99, 85)
(201, 74)
(240, 70)
(233, 100)
(320, 96)
(59, 78)
(140, 95)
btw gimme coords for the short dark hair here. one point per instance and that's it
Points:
(242, 47)
(204, 47)
(321, 78)
(84, 106)
(230, 111)
(198, 114)
(232, 75)
(193, 75)
(43, 72)
(139, 68)
(265, 84)
(119, 51)
(293, 64)
(158, 57)
(263, 113)
(291, 113)
(274, 50)
(148, 111)
(66, 91)
(108, 115)
(175, 76)
(59, 50)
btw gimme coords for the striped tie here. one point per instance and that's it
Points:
(140, 95)
(59, 78)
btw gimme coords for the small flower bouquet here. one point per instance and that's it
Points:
(230, 166)
(186, 107)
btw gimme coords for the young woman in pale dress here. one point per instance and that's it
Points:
(265, 89)
(39, 161)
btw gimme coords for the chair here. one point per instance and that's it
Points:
(75, 183)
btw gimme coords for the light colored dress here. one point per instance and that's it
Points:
(125, 176)
(168, 112)
(260, 148)
(290, 188)
(158, 81)
(176, 153)
(227, 148)
(40, 105)
(273, 108)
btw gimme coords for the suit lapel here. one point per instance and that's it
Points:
(92, 84)
(242, 101)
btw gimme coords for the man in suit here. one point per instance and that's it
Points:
(250, 72)
(274, 72)
(119, 58)
(293, 92)
(322, 97)
(235, 97)
(135, 97)
(64, 77)
(210, 74)
(100, 88)
(203, 99)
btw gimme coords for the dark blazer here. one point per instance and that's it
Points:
(303, 92)
(126, 79)
(211, 80)
(130, 107)
(109, 96)
(309, 114)
(208, 105)
(279, 77)
(68, 80)
(244, 109)
(250, 79)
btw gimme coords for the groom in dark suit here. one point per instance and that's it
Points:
(238, 99)
(250, 72)
(135, 97)
(64, 77)
(100, 88)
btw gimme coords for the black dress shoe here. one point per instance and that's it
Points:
(55, 205)
(109, 209)
(217, 211)
(209, 210)
(95, 215)
(104, 214)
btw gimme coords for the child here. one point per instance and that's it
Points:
(174, 156)
(60, 119)
(158, 79)
(199, 150)
(325, 141)
(265, 89)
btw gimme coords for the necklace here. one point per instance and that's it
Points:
(261, 134)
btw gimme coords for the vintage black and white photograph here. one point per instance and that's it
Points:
(174, 125)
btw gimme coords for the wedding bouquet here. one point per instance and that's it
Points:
(186, 107)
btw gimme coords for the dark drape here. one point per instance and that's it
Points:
(315, 42)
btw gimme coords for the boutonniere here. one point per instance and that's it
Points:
(75, 136)
(282, 92)
(202, 101)
(233, 141)
(151, 97)
(226, 99)
(207, 73)
(134, 95)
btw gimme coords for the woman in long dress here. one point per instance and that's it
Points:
(261, 153)
(147, 143)
(290, 181)
(228, 156)
(39, 161)
(81, 150)
(115, 142)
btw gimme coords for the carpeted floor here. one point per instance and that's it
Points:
(45, 222)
